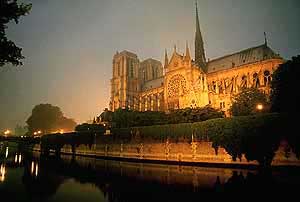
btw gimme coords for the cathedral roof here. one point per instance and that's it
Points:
(247, 56)
(155, 83)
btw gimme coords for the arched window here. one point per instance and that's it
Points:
(244, 82)
(267, 78)
(214, 86)
(255, 80)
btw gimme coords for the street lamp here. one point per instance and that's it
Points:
(7, 132)
(259, 107)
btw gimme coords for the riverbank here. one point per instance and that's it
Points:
(189, 154)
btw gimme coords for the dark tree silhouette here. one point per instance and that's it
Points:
(10, 10)
(48, 118)
(285, 85)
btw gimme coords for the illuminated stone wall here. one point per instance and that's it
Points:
(222, 85)
(177, 152)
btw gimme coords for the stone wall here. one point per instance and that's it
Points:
(201, 152)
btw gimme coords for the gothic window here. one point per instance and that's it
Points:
(131, 67)
(221, 90)
(118, 69)
(144, 75)
(214, 86)
(267, 78)
(255, 80)
(244, 81)
(177, 86)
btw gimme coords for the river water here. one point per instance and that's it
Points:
(29, 177)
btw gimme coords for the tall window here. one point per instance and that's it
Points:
(153, 72)
(144, 75)
(118, 69)
(267, 78)
(131, 69)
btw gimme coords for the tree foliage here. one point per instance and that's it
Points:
(123, 118)
(189, 115)
(48, 118)
(246, 101)
(10, 10)
(92, 128)
(285, 85)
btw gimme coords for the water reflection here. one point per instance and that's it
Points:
(2, 172)
(6, 152)
(48, 178)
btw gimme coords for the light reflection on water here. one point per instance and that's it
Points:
(2, 172)
(88, 179)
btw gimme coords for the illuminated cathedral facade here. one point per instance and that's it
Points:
(183, 82)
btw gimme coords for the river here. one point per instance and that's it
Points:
(25, 176)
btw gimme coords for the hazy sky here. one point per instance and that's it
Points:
(69, 45)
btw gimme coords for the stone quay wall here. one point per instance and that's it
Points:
(194, 152)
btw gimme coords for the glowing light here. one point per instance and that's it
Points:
(35, 133)
(7, 132)
(16, 158)
(20, 158)
(6, 152)
(259, 107)
(32, 167)
(36, 169)
(61, 131)
(2, 173)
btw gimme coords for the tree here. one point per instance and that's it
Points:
(188, 115)
(90, 128)
(246, 102)
(47, 119)
(10, 10)
(285, 86)
(285, 90)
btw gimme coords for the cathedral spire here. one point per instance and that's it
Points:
(187, 52)
(266, 42)
(166, 59)
(199, 47)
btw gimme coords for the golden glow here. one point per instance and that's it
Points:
(32, 167)
(259, 107)
(7, 132)
(61, 131)
(6, 152)
(36, 169)
(2, 173)
(16, 158)
(20, 158)
(37, 132)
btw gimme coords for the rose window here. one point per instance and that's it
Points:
(177, 86)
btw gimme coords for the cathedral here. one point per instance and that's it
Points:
(182, 82)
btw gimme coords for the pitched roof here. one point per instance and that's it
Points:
(247, 56)
(155, 83)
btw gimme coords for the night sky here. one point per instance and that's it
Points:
(69, 45)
